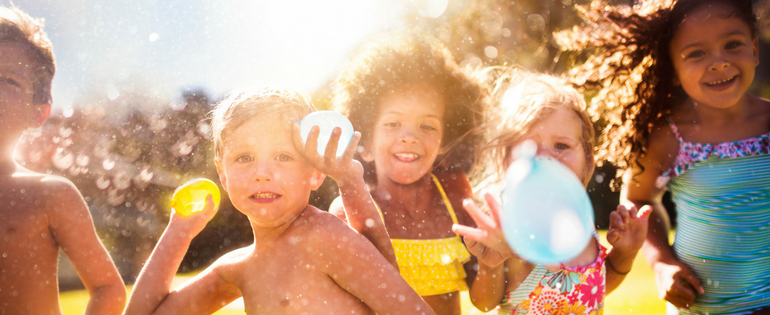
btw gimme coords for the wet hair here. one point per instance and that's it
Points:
(405, 61)
(521, 100)
(631, 68)
(241, 106)
(18, 27)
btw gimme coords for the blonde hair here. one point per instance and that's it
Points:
(241, 106)
(521, 100)
(18, 27)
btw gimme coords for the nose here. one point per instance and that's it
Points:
(262, 172)
(408, 136)
(719, 64)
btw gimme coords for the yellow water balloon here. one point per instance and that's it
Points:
(191, 197)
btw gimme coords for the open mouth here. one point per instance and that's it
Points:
(722, 82)
(407, 157)
(264, 196)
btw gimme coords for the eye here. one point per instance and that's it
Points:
(393, 124)
(733, 44)
(244, 158)
(283, 157)
(428, 127)
(11, 82)
(561, 146)
(695, 54)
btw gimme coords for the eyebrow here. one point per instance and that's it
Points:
(725, 35)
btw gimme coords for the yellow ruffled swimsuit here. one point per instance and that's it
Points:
(433, 266)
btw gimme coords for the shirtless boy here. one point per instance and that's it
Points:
(303, 260)
(41, 213)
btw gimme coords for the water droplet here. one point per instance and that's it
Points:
(63, 159)
(102, 183)
(65, 132)
(369, 222)
(121, 180)
(108, 164)
(82, 160)
(490, 52)
(154, 37)
(536, 22)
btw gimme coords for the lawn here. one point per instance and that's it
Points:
(636, 295)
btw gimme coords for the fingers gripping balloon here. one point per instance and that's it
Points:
(191, 197)
(547, 217)
(326, 120)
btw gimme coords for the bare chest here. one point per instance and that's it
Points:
(293, 283)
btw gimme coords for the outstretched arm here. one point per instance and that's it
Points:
(359, 209)
(628, 229)
(202, 295)
(487, 243)
(73, 229)
(676, 282)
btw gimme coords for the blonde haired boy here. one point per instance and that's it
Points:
(303, 260)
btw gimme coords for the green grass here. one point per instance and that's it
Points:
(637, 295)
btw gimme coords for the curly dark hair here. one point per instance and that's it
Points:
(631, 70)
(409, 59)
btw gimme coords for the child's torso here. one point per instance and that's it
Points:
(28, 251)
(430, 256)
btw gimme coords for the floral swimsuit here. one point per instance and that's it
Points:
(567, 291)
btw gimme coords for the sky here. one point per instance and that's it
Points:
(164, 46)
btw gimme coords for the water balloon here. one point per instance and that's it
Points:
(326, 120)
(191, 197)
(547, 217)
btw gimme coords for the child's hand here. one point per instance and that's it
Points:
(194, 224)
(342, 169)
(486, 242)
(677, 283)
(628, 229)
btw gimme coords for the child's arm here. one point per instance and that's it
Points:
(359, 209)
(487, 243)
(627, 232)
(676, 282)
(73, 229)
(204, 294)
(358, 267)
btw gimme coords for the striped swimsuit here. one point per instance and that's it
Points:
(722, 196)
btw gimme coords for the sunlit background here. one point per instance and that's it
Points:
(135, 79)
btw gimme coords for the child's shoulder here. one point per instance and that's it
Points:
(41, 187)
(321, 224)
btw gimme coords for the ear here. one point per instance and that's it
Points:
(40, 114)
(221, 172)
(367, 155)
(755, 44)
(316, 179)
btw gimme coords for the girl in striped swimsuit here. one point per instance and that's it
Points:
(682, 120)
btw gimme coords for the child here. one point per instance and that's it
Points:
(682, 120)
(544, 110)
(303, 260)
(41, 213)
(417, 112)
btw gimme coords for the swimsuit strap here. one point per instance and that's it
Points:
(446, 199)
(448, 204)
(675, 130)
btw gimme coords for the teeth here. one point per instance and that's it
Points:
(265, 195)
(407, 155)
(720, 82)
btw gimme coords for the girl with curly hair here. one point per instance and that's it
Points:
(417, 112)
(673, 80)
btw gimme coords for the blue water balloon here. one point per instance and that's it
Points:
(547, 217)
(326, 120)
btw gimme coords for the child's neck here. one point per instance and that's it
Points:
(266, 236)
(709, 116)
(410, 196)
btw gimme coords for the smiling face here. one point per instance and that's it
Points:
(17, 111)
(406, 138)
(266, 177)
(714, 55)
(560, 136)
